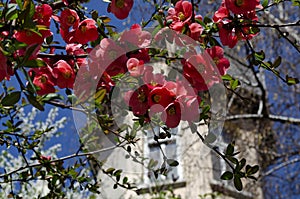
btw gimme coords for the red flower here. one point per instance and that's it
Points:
(28, 37)
(160, 96)
(43, 80)
(111, 56)
(68, 18)
(64, 74)
(120, 8)
(43, 14)
(180, 15)
(220, 14)
(86, 31)
(135, 67)
(241, 6)
(217, 54)
(195, 30)
(75, 49)
(227, 34)
(68, 36)
(136, 36)
(198, 72)
(190, 107)
(138, 100)
(172, 114)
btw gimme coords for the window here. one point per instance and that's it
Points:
(155, 150)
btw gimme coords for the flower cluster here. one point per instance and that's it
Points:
(231, 18)
(180, 17)
(61, 74)
(174, 101)
(198, 70)
(81, 32)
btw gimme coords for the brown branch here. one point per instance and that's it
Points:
(59, 159)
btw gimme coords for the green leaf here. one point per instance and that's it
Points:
(227, 175)
(20, 4)
(172, 163)
(115, 186)
(227, 77)
(152, 163)
(110, 170)
(277, 62)
(118, 172)
(264, 3)
(125, 180)
(234, 84)
(230, 149)
(159, 19)
(12, 14)
(232, 159)
(99, 96)
(296, 2)
(291, 80)
(52, 96)
(11, 99)
(207, 20)
(32, 100)
(242, 163)
(238, 183)
(251, 170)
(34, 63)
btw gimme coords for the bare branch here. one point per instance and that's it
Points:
(284, 164)
(278, 118)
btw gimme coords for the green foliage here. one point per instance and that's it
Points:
(239, 170)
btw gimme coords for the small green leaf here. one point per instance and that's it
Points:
(110, 170)
(229, 149)
(227, 175)
(264, 3)
(242, 163)
(251, 170)
(11, 14)
(207, 20)
(234, 84)
(34, 63)
(277, 62)
(19, 2)
(32, 100)
(52, 96)
(99, 96)
(238, 183)
(291, 80)
(296, 2)
(11, 99)
(232, 159)
(159, 19)
(172, 163)
(115, 186)
(227, 77)
(125, 180)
